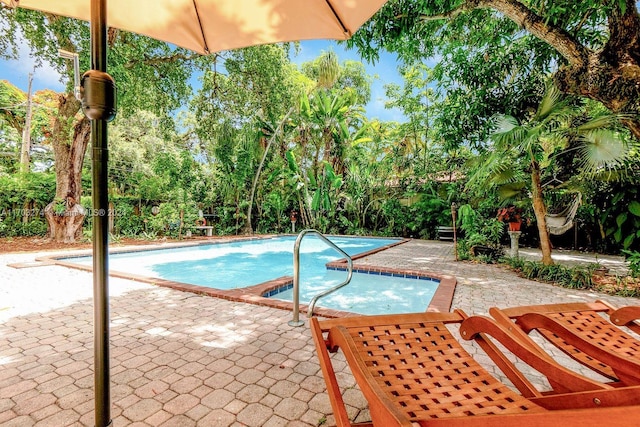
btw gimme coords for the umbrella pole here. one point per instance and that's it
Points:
(100, 226)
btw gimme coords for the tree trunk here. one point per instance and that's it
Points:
(248, 228)
(540, 211)
(610, 75)
(65, 214)
(616, 86)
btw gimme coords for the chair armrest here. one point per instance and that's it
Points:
(627, 316)
(381, 408)
(333, 389)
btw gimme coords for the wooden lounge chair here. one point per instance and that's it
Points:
(413, 372)
(583, 332)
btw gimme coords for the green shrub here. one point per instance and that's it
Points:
(581, 278)
(482, 235)
(168, 220)
(577, 277)
(531, 269)
(555, 273)
(464, 252)
(514, 262)
(32, 191)
(633, 258)
(486, 258)
(126, 221)
(36, 227)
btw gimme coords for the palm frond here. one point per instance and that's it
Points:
(606, 121)
(552, 100)
(601, 149)
(493, 170)
(610, 175)
(504, 123)
(512, 190)
(509, 133)
(505, 174)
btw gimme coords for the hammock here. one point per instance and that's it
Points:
(561, 222)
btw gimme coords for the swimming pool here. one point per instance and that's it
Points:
(241, 264)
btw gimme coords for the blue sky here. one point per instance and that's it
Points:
(46, 77)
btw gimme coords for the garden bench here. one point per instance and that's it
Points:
(445, 233)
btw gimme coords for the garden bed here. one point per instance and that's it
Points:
(615, 285)
(33, 244)
(576, 277)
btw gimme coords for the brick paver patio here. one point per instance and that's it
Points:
(182, 359)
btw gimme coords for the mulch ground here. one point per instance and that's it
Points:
(37, 244)
(614, 285)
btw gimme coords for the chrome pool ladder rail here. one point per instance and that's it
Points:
(296, 276)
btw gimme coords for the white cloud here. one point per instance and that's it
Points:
(17, 71)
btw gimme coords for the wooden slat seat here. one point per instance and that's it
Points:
(413, 371)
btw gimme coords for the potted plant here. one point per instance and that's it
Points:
(512, 215)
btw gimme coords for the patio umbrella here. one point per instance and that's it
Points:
(205, 26)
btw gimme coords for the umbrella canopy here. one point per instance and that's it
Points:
(203, 26)
(207, 26)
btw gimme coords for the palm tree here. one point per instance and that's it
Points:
(533, 143)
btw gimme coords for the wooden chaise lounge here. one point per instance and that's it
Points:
(583, 332)
(414, 372)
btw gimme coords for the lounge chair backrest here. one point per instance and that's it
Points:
(582, 331)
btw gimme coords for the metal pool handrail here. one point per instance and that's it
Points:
(296, 276)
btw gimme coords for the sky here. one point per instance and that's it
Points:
(385, 70)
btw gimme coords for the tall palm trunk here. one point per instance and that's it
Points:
(540, 211)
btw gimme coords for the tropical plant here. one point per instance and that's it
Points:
(479, 232)
(528, 147)
(22, 201)
(510, 214)
(619, 213)
(328, 69)
(326, 196)
(633, 258)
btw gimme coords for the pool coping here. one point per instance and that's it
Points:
(255, 294)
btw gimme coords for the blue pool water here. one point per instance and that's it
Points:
(245, 263)
(366, 293)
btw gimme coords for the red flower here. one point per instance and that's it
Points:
(510, 214)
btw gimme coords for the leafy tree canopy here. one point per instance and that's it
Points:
(495, 53)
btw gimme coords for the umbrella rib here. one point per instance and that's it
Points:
(204, 38)
(344, 29)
